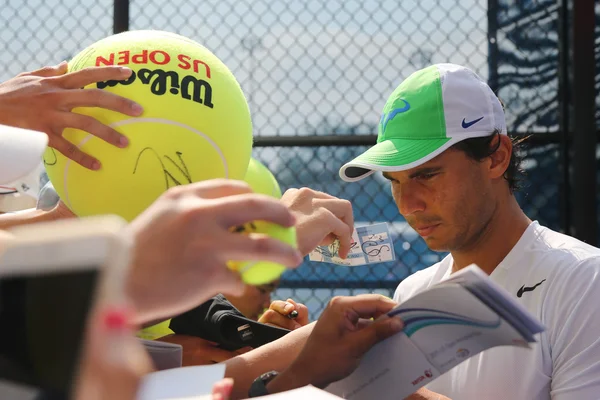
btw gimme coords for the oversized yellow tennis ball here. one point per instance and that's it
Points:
(195, 125)
(262, 181)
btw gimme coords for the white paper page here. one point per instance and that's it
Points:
(449, 324)
(513, 318)
(181, 382)
(474, 275)
(391, 370)
(307, 392)
(303, 393)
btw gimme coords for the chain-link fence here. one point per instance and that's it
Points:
(324, 69)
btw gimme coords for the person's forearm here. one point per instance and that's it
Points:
(5, 237)
(32, 216)
(426, 394)
(288, 380)
(275, 356)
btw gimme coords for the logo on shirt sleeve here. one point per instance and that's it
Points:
(524, 288)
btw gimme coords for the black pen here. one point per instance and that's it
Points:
(292, 315)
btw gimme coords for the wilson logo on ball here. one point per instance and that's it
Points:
(189, 87)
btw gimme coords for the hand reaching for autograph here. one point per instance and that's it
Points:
(43, 100)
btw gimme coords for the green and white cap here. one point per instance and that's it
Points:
(433, 109)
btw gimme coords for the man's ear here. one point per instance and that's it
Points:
(500, 159)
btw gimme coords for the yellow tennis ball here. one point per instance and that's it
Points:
(262, 181)
(195, 125)
(156, 331)
(261, 272)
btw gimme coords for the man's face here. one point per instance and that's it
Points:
(254, 300)
(448, 200)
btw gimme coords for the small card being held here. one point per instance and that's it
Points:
(371, 244)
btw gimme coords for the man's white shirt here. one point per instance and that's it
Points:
(557, 278)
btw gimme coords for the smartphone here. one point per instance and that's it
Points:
(51, 277)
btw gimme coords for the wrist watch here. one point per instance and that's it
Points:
(259, 386)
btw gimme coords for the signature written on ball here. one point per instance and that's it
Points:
(175, 172)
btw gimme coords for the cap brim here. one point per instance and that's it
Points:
(394, 155)
(21, 151)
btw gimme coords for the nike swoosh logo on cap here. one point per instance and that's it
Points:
(466, 125)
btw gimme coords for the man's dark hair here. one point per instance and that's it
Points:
(482, 147)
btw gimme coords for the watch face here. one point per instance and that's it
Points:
(267, 376)
(259, 386)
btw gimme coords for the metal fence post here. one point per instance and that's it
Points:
(585, 191)
(492, 16)
(564, 109)
(120, 16)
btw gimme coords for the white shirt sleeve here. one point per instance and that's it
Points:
(398, 294)
(574, 315)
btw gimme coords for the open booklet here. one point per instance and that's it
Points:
(195, 383)
(443, 326)
(303, 393)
